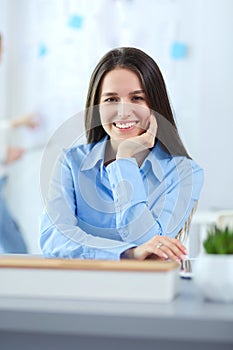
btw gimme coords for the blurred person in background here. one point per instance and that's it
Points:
(11, 239)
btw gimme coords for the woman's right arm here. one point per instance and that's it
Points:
(61, 235)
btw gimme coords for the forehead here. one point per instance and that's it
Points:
(121, 77)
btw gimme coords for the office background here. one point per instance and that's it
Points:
(51, 47)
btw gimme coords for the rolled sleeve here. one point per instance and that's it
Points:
(134, 221)
(126, 182)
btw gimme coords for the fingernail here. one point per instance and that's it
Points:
(165, 256)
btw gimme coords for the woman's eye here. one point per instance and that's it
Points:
(137, 98)
(111, 99)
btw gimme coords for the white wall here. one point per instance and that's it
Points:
(55, 83)
(215, 107)
(3, 65)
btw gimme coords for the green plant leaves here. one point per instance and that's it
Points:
(219, 241)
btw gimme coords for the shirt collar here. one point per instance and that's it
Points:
(96, 155)
(154, 158)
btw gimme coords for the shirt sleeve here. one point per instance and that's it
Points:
(61, 235)
(164, 209)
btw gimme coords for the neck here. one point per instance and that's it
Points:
(110, 153)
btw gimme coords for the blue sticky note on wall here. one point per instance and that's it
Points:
(178, 50)
(75, 22)
(42, 50)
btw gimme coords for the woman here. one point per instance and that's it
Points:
(130, 190)
(11, 238)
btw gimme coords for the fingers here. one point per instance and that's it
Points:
(163, 247)
(28, 120)
(150, 135)
(153, 126)
(134, 145)
(147, 139)
(171, 247)
(172, 250)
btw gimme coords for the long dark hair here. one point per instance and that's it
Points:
(155, 91)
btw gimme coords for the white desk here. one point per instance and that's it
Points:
(187, 322)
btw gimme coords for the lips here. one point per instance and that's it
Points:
(125, 125)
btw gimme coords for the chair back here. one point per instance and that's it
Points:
(183, 234)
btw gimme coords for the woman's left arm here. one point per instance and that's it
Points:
(164, 210)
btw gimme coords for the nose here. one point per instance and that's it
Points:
(125, 109)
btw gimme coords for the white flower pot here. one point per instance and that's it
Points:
(213, 275)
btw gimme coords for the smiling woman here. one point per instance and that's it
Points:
(129, 191)
(124, 113)
(122, 107)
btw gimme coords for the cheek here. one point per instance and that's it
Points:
(143, 113)
(107, 113)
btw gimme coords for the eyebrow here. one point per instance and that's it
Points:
(131, 93)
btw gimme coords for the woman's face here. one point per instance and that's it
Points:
(124, 111)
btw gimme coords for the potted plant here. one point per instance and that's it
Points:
(214, 268)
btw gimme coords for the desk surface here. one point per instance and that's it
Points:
(188, 317)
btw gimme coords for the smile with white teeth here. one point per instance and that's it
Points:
(126, 125)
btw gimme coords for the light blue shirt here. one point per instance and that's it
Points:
(97, 212)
